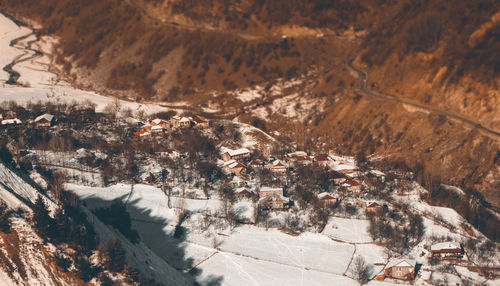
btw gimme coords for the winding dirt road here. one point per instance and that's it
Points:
(243, 35)
(363, 90)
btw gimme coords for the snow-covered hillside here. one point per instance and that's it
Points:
(17, 193)
(38, 82)
(26, 260)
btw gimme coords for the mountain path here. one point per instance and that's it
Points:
(363, 90)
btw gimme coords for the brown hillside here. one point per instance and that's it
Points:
(442, 53)
(122, 49)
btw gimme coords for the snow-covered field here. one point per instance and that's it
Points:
(311, 257)
(240, 270)
(349, 230)
(250, 255)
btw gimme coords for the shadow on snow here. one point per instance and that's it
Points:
(156, 233)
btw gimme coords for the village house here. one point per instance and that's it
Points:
(185, 122)
(12, 121)
(266, 191)
(377, 174)
(155, 129)
(327, 198)
(346, 168)
(274, 201)
(161, 122)
(243, 192)
(276, 166)
(174, 121)
(372, 207)
(142, 133)
(200, 121)
(234, 167)
(322, 160)
(45, 120)
(229, 154)
(337, 177)
(298, 158)
(400, 269)
(447, 250)
(256, 164)
(134, 122)
(352, 186)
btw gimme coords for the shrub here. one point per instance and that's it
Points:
(112, 255)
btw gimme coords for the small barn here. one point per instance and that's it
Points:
(229, 154)
(45, 120)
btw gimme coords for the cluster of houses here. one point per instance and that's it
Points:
(343, 172)
(46, 120)
(158, 126)
(407, 269)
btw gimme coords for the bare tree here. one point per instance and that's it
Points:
(361, 270)
(228, 212)
(57, 184)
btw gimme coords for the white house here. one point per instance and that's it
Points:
(11, 121)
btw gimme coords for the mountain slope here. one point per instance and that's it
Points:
(26, 259)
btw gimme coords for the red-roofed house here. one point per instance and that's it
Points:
(352, 185)
(327, 198)
(372, 207)
(243, 193)
(447, 250)
(256, 164)
(277, 166)
(298, 158)
(142, 133)
(161, 122)
(234, 167)
(322, 160)
(274, 201)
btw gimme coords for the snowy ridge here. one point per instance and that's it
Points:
(33, 264)
(17, 193)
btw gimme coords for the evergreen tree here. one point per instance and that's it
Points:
(4, 217)
(62, 223)
(44, 225)
(5, 155)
